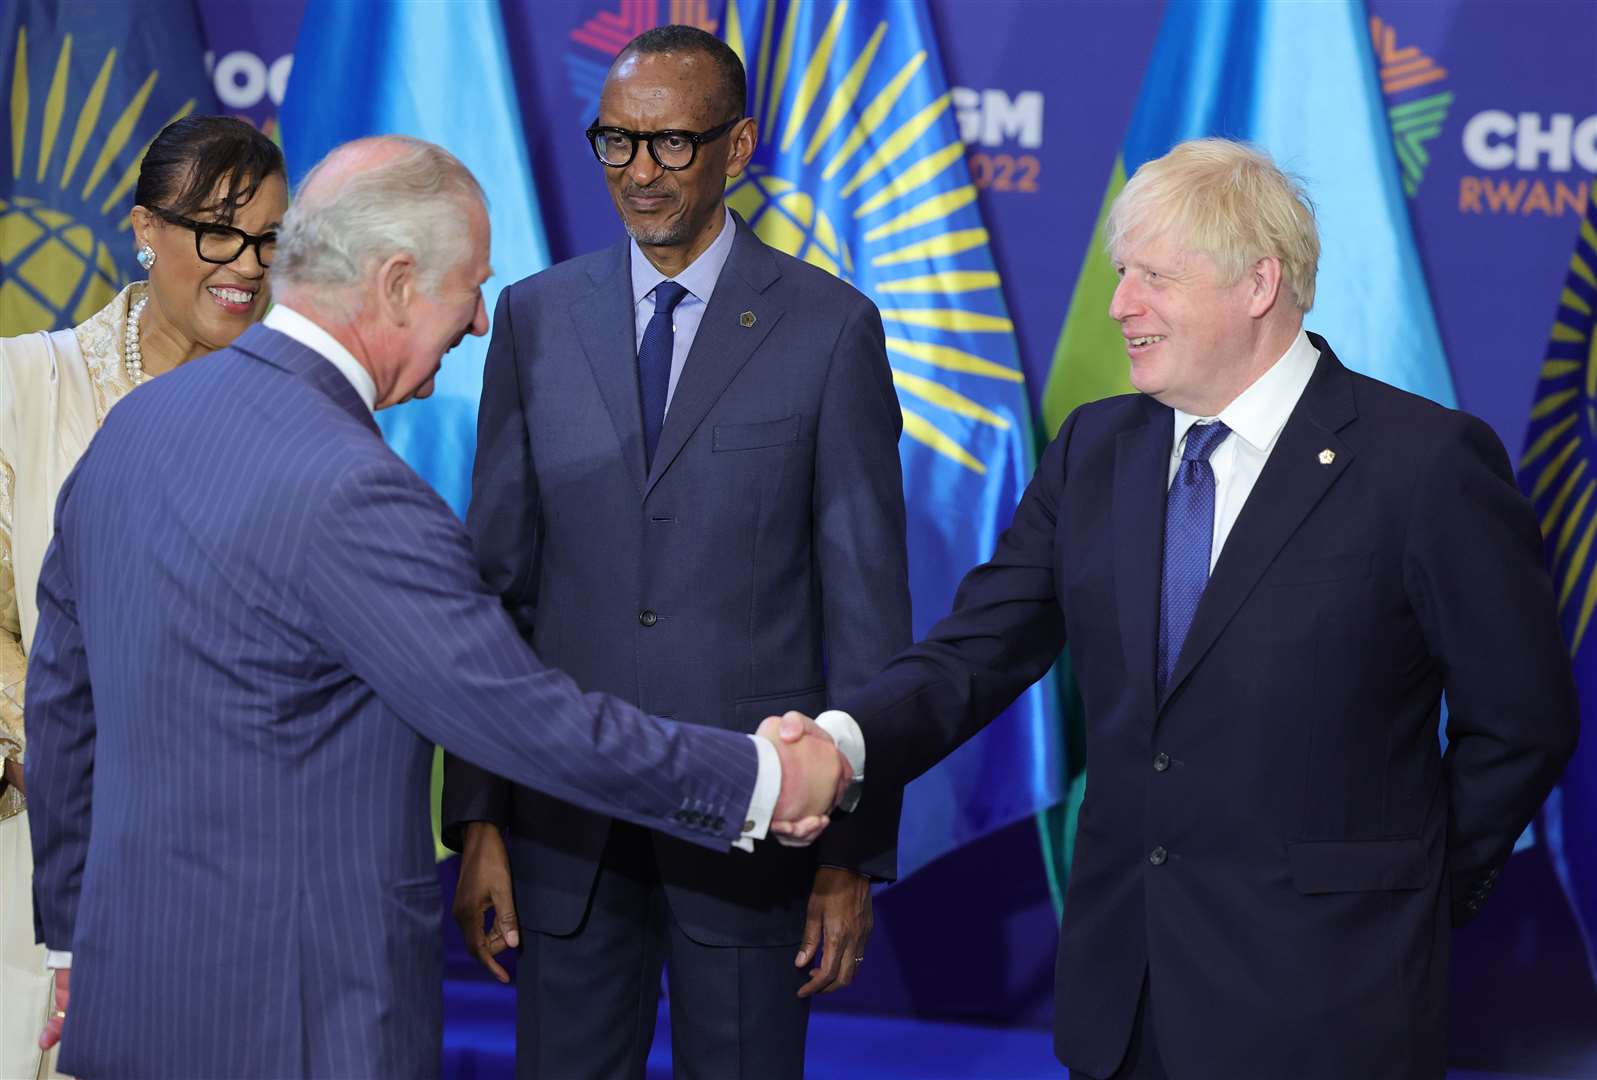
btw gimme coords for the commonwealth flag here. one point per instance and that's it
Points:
(90, 87)
(861, 171)
(439, 72)
(1559, 473)
(1254, 70)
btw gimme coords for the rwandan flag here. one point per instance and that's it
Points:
(1254, 70)
(90, 87)
(1557, 473)
(439, 72)
(861, 171)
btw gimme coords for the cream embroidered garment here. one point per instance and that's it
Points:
(55, 390)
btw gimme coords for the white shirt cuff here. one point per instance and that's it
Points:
(767, 788)
(57, 960)
(848, 737)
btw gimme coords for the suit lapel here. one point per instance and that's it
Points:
(723, 344)
(607, 327)
(282, 351)
(1142, 457)
(1293, 482)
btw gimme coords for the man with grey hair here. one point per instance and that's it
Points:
(1268, 569)
(255, 621)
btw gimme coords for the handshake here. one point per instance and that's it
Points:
(815, 777)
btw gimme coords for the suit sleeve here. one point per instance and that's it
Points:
(392, 580)
(1005, 631)
(61, 740)
(1475, 572)
(858, 540)
(502, 519)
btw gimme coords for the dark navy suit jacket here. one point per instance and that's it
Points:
(1278, 843)
(758, 565)
(255, 621)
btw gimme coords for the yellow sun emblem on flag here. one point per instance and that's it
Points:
(873, 188)
(56, 267)
(1556, 469)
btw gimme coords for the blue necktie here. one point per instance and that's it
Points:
(1188, 537)
(654, 364)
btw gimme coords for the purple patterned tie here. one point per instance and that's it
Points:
(1188, 537)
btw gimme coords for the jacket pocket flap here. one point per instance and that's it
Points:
(1331, 866)
(754, 436)
(752, 710)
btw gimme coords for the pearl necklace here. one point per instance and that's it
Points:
(132, 356)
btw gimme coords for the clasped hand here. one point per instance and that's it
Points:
(815, 775)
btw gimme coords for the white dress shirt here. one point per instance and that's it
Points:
(1255, 418)
(290, 323)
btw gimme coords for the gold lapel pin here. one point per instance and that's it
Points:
(747, 318)
(1327, 456)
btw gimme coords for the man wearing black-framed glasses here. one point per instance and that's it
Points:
(688, 490)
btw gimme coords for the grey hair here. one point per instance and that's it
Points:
(414, 202)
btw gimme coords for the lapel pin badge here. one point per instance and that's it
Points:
(1327, 456)
(747, 318)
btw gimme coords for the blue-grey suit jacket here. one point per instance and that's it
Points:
(757, 565)
(254, 622)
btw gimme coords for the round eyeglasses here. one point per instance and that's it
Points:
(672, 150)
(217, 243)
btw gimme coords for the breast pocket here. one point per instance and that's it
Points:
(754, 436)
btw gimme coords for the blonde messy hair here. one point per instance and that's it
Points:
(1227, 200)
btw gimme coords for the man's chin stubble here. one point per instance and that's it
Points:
(658, 236)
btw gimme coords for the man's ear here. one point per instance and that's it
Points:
(1265, 279)
(396, 287)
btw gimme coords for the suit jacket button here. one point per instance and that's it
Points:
(718, 824)
(1157, 856)
(1161, 762)
(647, 617)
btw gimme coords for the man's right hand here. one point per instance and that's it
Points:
(485, 886)
(815, 774)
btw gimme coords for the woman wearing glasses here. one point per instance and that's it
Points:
(211, 192)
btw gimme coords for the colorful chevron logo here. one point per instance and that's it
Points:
(596, 41)
(1415, 120)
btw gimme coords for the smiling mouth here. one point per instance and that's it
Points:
(1144, 340)
(230, 298)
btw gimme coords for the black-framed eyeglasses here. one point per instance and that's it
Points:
(218, 243)
(671, 149)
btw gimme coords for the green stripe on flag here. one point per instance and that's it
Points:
(1090, 360)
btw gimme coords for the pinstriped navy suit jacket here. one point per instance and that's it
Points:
(254, 621)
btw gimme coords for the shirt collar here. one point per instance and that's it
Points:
(290, 323)
(1260, 412)
(700, 276)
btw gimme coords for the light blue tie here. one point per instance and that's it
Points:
(654, 364)
(1188, 538)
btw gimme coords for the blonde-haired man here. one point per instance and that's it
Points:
(1268, 570)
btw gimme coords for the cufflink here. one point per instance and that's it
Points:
(851, 796)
